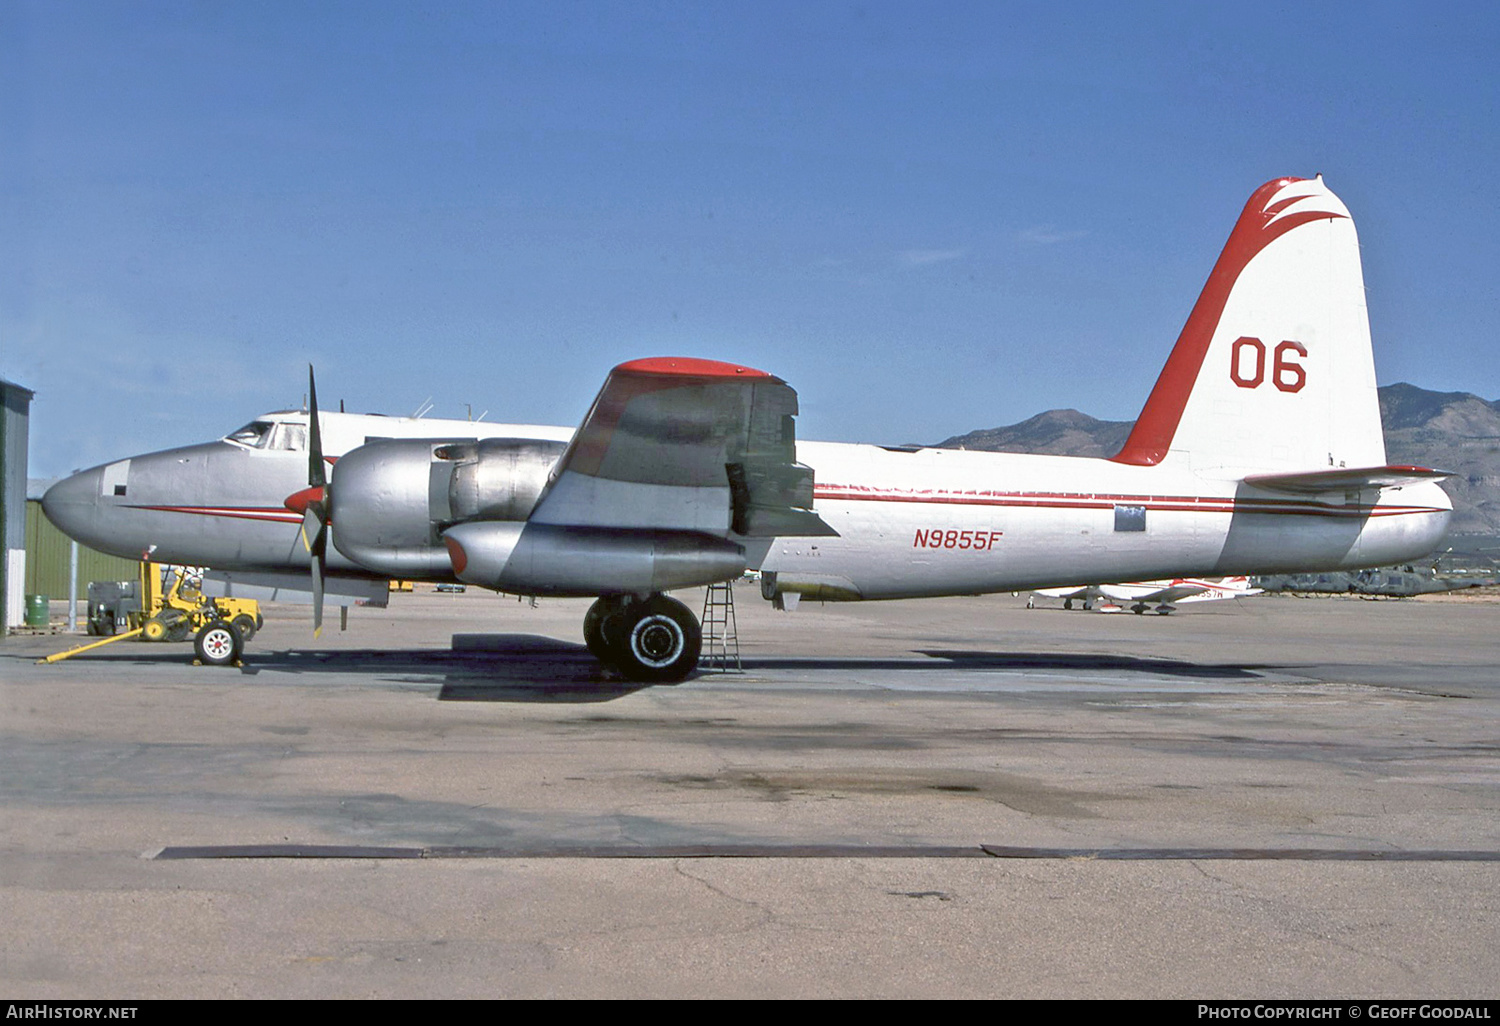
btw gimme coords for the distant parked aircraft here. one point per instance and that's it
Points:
(1108, 598)
(1393, 581)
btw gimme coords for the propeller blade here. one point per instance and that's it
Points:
(316, 475)
(317, 592)
(313, 528)
(317, 550)
(314, 503)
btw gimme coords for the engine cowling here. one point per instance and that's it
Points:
(497, 478)
(390, 499)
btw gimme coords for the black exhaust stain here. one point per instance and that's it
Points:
(939, 895)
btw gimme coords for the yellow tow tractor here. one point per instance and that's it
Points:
(181, 610)
(155, 609)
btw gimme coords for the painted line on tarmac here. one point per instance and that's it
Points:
(1243, 854)
(816, 851)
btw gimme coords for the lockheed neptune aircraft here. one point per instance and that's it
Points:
(1258, 451)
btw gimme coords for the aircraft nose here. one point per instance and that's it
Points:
(73, 504)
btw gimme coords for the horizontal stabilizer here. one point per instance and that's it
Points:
(1342, 479)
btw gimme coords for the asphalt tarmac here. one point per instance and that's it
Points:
(1269, 797)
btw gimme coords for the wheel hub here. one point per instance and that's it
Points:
(657, 640)
(218, 643)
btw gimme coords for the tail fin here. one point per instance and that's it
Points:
(1273, 370)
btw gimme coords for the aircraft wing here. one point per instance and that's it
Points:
(1076, 592)
(1145, 591)
(1337, 479)
(685, 444)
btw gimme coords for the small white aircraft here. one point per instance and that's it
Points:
(1258, 451)
(1138, 595)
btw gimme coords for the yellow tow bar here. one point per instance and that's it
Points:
(58, 657)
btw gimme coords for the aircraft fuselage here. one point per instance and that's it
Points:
(910, 523)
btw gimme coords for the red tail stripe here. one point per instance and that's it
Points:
(1256, 229)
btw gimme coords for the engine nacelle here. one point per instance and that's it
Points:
(390, 499)
(548, 559)
(497, 478)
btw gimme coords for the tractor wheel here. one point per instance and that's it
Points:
(246, 625)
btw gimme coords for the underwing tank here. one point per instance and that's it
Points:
(550, 559)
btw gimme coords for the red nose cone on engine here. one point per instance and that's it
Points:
(457, 554)
(298, 502)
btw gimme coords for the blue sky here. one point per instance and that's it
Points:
(929, 218)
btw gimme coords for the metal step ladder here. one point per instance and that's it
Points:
(721, 642)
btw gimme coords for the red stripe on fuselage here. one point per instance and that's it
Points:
(281, 516)
(1094, 500)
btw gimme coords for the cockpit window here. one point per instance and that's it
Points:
(289, 436)
(267, 434)
(253, 434)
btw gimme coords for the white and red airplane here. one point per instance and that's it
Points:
(1139, 595)
(1258, 451)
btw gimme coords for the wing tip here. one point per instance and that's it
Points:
(691, 367)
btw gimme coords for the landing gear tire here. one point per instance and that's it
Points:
(246, 625)
(217, 644)
(599, 623)
(657, 640)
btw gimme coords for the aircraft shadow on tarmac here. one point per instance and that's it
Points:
(478, 668)
(1092, 663)
(528, 668)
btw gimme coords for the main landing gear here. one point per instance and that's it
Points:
(652, 639)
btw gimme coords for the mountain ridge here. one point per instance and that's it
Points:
(1454, 431)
